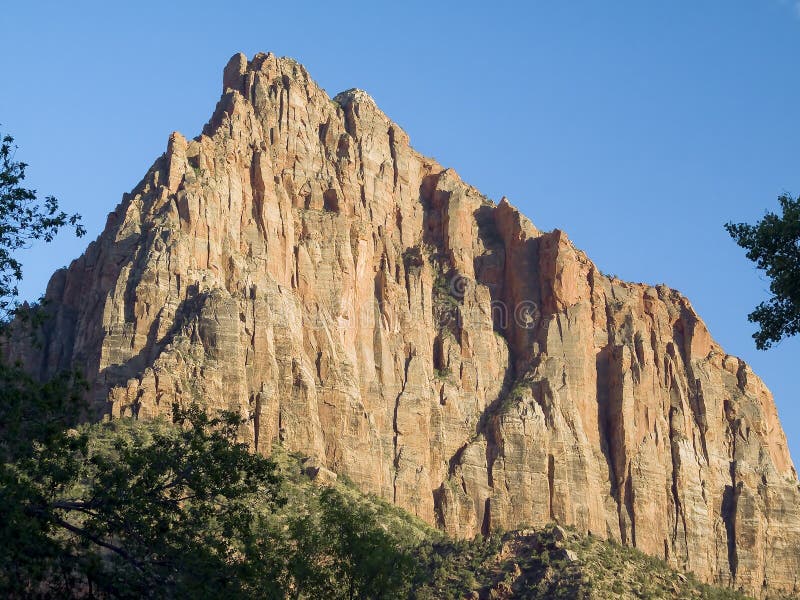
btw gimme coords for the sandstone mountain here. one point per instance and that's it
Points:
(299, 262)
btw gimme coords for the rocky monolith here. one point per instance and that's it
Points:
(300, 263)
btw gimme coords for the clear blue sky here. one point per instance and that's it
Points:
(637, 127)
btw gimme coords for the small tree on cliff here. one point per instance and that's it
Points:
(23, 219)
(773, 243)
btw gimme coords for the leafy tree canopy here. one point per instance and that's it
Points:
(23, 218)
(773, 244)
(123, 509)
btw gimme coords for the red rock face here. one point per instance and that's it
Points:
(300, 263)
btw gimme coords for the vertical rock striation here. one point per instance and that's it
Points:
(300, 263)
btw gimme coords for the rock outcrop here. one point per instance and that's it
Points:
(300, 263)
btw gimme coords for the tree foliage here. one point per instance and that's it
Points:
(23, 218)
(338, 549)
(773, 244)
(33, 413)
(128, 510)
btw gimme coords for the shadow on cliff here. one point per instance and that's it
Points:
(119, 374)
(71, 309)
(608, 424)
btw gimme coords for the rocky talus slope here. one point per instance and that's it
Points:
(301, 263)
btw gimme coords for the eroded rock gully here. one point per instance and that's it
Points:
(299, 262)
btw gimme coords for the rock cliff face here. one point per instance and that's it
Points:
(300, 263)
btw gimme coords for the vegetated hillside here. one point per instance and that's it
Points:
(543, 563)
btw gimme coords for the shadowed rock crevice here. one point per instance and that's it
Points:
(728, 511)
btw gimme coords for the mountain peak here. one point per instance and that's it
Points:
(354, 95)
(300, 263)
(239, 66)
